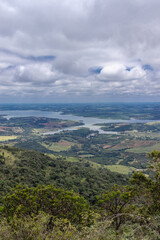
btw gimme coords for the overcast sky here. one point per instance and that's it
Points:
(79, 50)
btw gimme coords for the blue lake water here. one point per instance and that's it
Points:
(88, 121)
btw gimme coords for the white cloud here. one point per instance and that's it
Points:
(119, 71)
(41, 72)
(118, 36)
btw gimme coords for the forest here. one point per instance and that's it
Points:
(38, 201)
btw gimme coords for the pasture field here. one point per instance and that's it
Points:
(58, 146)
(144, 149)
(72, 159)
(121, 169)
(7, 138)
(153, 123)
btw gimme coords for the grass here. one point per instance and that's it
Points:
(86, 155)
(144, 149)
(7, 138)
(120, 169)
(9, 157)
(119, 161)
(58, 147)
(68, 159)
(72, 159)
(153, 123)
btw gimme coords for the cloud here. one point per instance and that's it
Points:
(120, 72)
(79, 48)
(41, 73)
(41, 58)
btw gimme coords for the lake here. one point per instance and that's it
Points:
(89, 122)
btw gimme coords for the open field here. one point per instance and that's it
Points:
(72, 159)
(121, 169)
(59, 146)
(127, 143)
(144, 149)
(153, 123)
(7, 138)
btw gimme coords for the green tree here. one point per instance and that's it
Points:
(54, 201)
(148, 189)
(115, 203)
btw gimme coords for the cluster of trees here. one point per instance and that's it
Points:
(142, 127)
(121, 212)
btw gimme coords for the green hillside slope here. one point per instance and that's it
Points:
(31, 168)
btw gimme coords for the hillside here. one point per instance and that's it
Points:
(31, 168)
(48, 212)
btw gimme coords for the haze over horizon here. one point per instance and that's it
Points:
(79, 51)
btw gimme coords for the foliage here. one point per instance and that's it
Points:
(46, 212)
(36, 228)
(149, 188)
(115, 203)
(30, 168)
(54, 201)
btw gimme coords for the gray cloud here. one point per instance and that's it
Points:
(79, 48)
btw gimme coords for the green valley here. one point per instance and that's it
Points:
(67, 179)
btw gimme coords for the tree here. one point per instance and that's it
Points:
(115, 203)
(54, 201)
(149, 188)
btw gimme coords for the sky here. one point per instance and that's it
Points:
(79, 51)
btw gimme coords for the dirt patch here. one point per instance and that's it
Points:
(107, 146)
(5, 129)
(65, 143)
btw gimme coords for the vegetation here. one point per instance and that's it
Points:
(56, 202)
(121, 169)
(7, 138)
(123, 212)
(30, 168)
(128, 148)
(33, 125)
(61, 186)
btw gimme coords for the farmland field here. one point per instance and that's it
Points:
(58, 147)
(7, 138)
(121, 169)
(145, 149)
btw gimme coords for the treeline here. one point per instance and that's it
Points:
(121, 212)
